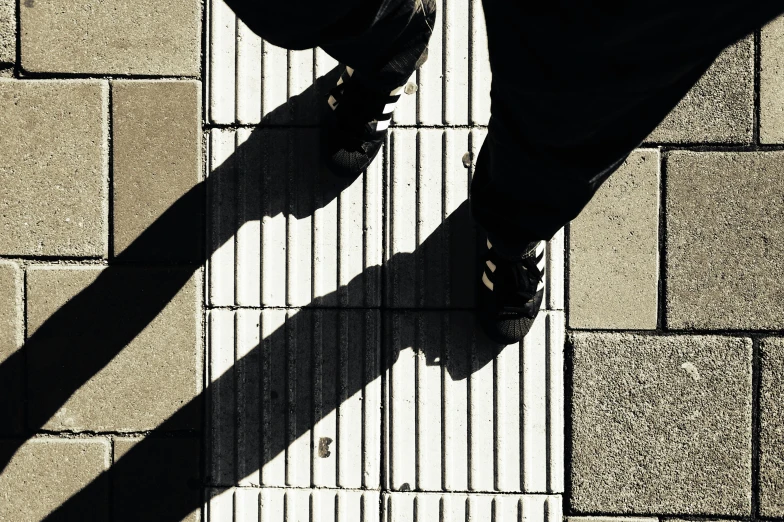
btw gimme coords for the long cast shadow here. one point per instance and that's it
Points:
(158, 478)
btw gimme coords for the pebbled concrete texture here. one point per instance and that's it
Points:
(7, 31)
(153, 373)
(720, 107)
(156, 160)
(44, 473)
(772, 428)
(53, 184)
(124, 37)
(614, 250)
(661, 424)
(144, 467)
(11, 333)
(772, 82)
(724, 240)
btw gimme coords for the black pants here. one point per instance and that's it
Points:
(577, 85)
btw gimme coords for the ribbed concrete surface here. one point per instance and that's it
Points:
(248, 78)
(324, 505)
(342, 348)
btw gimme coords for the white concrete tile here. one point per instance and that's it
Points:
(221, 188)
(221, 397)
(554, 272)
(430, 94)
(281, 234)
(274, 77)
(248, 235)
(481, 77)
(273, 398)
(247, 372)
(406, 108)
(457, 70)
(287, 505)
(248, 85)
(462, 507)
(429, 257)
(494, 419)
(303, 388)
(222, 63)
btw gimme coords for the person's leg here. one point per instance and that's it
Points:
(574, 91)
(380, 43)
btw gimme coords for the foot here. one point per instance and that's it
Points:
(510, 292)
(356, 125)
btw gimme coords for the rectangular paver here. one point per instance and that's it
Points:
(112, 349)
(724, 240)
(282, 231)
(53, 180)
(772, 82)
(44, 473)
(111, 37)
(614, 250)
(295, 398)
(155, 479)
(7, 31)
(459, 410)
(719, 108)
(661, 424)
(11, 360)
(156, 159)
(285, 505)
(457, 507)
(772, 428)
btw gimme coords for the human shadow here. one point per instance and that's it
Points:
(161, 477)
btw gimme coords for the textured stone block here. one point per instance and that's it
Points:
(54, 168)
(111, 37)
(44, 473)
(772, 82)
(7, 31)
(156, 479)
(772, 428)
(11, 361)
(614, 250)
(661, 424)
(720, 106)
(113, 349)
(156, 157)
(725, 242)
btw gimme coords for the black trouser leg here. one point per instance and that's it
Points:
(384, 41)
(575, 90)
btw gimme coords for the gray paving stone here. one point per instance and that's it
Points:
(7, 31)
(156, 158)
(156, 369)
(11, 365)
(720, 106)
(772, 82)
(614, 250)
(772, 428)
(55, 159)
(44, 473)
(725, 242)
(661, 424)
(111, 37)
(154, 480)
